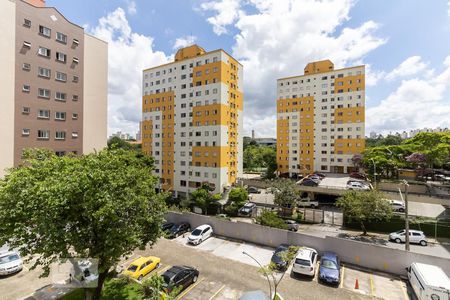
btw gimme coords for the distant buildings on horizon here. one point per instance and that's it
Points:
(410, 134)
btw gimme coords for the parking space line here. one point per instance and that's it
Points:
(189, 289)
(342, 279)
(317, 272)
(217, 293)
(405, 293)
(371, 284)
(162, 270)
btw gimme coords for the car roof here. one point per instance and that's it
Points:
(305, 253)
(142, 259)
(433, 275)
(8, 253)
(329, 255)
(204, 226)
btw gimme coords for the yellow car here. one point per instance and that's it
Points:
(142, 266)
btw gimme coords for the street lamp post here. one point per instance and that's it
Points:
(405, 183)
(262, 268)
(374, 172)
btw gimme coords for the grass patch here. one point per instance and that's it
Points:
(77, 294)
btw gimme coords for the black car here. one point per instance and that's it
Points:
(253, 190)
(309, 182)
(182, 276)
(178, 229)
(277, 259)
(167, 226)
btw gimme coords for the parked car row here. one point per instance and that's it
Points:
(305, 263)
(311, 179)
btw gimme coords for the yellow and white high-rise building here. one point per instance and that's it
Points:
(320, 119)
(192, 120)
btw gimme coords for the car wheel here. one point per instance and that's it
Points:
(176, 235)
(200, 241)
(398, 241)
(401, 210)
(140, 277)
(313, 206)
(194, 279)
(423, 243)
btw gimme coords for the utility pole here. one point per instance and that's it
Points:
(374, 172)
(405, 183)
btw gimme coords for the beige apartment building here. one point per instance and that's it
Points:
(192, 120)
(320, 119)
(54, 83)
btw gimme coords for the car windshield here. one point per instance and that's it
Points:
(302, 262)
(132, 268)
(8, 258)
(329, 264)
(400, 231)
(196, 232)
(175, 227)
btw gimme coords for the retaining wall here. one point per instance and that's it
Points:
(353, 252)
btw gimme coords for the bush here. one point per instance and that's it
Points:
(238, 196)
(122, 288)
(232, 209)
(271, 219)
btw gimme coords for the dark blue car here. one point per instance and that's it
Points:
(330, 269)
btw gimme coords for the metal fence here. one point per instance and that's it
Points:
(322, 216)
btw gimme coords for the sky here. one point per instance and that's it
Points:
(405, 45)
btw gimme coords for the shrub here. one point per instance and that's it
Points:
(271, 219)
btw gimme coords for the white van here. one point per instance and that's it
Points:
(428, 282)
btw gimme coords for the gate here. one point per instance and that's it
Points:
(323, 216)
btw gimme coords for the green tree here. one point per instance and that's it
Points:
(271, 219)
(365, 206)
(269, 161)
(203, 198)
(101, 205)
(285, 192)
(238, 195)
(154, 289)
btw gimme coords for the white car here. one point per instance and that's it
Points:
(307, 202)
(200, 234)
(355, 185)
(397, 205)
(10, 262)
(305, 262)
(415, 236)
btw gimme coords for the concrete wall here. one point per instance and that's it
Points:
(362, 254)
(413, 188)
(95, 109)
(7, 59)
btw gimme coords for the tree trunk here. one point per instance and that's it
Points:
(101, 281)
(363, 228)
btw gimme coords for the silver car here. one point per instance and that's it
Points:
(10, 262)
(415, 236)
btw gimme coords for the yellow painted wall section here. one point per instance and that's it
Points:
(319, 67)
(349, 115)
(349, 146)
(164, 102)
(349, 83)
(283, 145)
(189, 52)
(213, 114)
(146, 133)
(212, 156)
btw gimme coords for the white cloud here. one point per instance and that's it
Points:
(227, 13)
(448, 11)
(184, 41)
(410, 66)
(373, 76)
(128, 54)
(416, 103)
(132, 9)
(277, 38)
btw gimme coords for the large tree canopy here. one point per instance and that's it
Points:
(102, 205)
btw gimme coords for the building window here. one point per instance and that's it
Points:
(60, 135)
(74, 116)
(43, 134)
(44, 72)
(44, 93)
(61, 57)
(60, 37)
(26, 67)
(60, 116)
(76, 42)
(25, 132)
(26, 23)
(60, 96)
(44, 52)
(26, 110)
(61, 153)
(74, 135)
(75, 98)
(43, 114)
(75, 79)
(26, 88)
(27, 44)
(75, 60)
(61, 76)
(45, 31)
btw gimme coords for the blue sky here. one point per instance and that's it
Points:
(405, 45)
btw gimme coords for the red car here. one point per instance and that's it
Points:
(358, 175)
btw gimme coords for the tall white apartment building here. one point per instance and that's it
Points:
(320, 119)
(192, 120)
